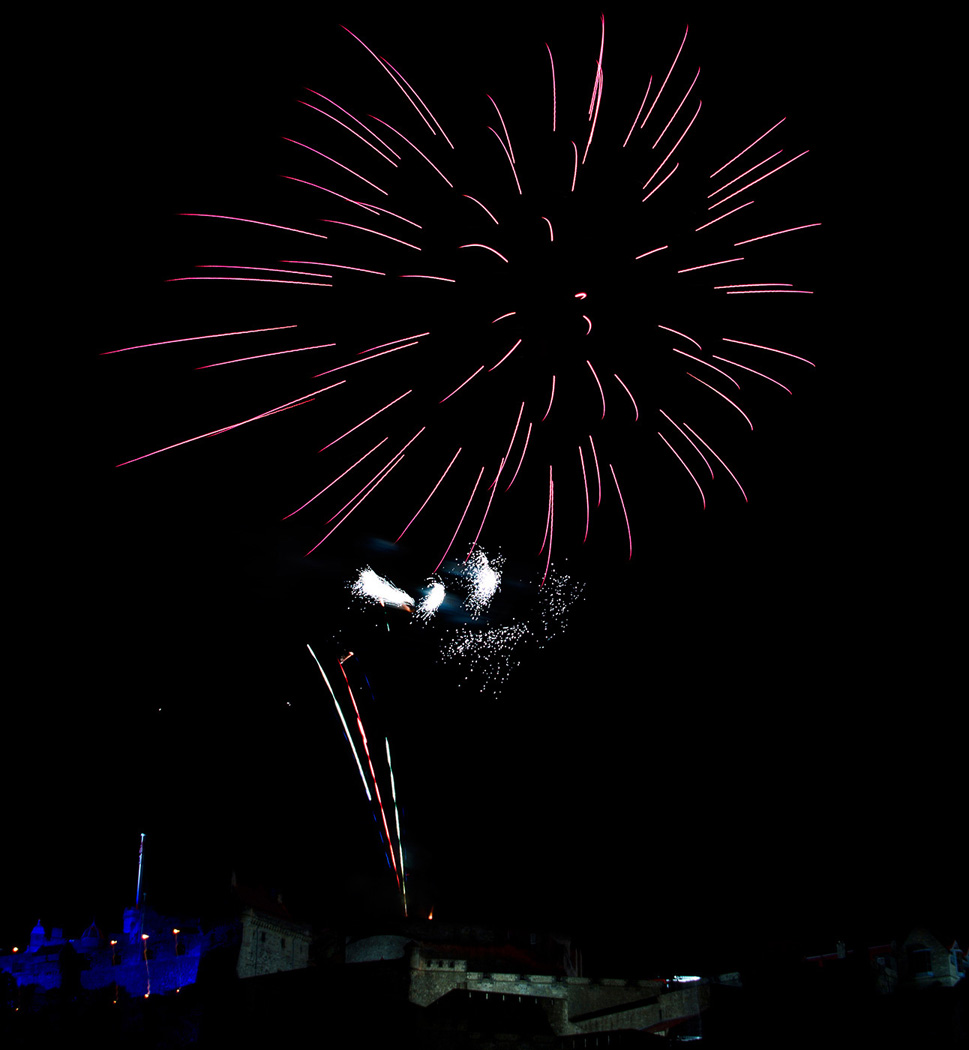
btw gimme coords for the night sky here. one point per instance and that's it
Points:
(743, 731)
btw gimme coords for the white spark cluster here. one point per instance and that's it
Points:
(371, 587)
(491, 653)
(431, 601)
(485, 580)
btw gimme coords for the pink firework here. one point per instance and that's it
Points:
(581, 222)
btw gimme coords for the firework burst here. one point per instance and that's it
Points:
(530, 306)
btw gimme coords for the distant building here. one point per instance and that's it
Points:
(272, 944)
(927, 960)
(153, 954)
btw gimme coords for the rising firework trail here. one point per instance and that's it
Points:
(394, 848)
(526, 263)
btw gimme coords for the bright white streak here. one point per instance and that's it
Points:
(346, 731)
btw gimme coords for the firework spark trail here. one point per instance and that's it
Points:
(622, 502)
(195, 338)
(461, 522)
(355, 174)
(700, 361)
(691, 441)
(335, 120)
(551, 398)
(551, 524)
(585, 485)
(259, 357)
(686, 468)
(724, 396)
(343, 722)
(336, 479)
(433, 490)
(400, 841)
(754, 370)
(358, 122)
(384, 473)
(737, 178)
(304, 400)
(719, 460)
(746, 148)
(528, 434)
(629, 392)
(666, 78)
(554, 100)
(373, 775)
(348, 169)
(367, 420)
(595, 459)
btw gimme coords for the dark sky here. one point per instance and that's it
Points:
(737, 735)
